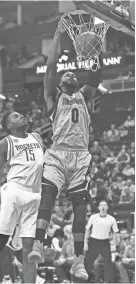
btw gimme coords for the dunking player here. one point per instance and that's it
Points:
(22, 193)
(67, 162)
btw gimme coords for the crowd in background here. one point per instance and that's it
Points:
(112, 175)
(112, 171)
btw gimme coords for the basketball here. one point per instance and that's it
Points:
(88, 44)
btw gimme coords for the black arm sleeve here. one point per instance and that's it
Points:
(94, 77)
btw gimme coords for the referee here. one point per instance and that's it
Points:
(97, 242)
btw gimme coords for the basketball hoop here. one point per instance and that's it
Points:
(87, 34)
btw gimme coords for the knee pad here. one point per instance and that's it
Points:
(48, 196)
(49, 188)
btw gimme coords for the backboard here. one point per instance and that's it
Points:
(109, 13)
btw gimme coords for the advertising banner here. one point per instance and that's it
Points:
(79, 65)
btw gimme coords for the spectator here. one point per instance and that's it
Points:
(130, 185)
(96, 149)
(106, 151)
(67, 231)
(122, 131)
(124, 241)
(126, 196)
(96, 160)
(132, 147)
(113, 133)
(122, 271)
(111, 159)
(116, 192)
(93, 191)
(116, 171)
(131, 152)
(52, 228)
(98, 268)
(123, 147)
(120, 183)
(57, 240)
(129, 253)
(128, 261)
(123, 158)
(102, 192)
(64, 262)
(93, 170)
(102, 172)
(129, 122)
(104, 137)
(129, 171)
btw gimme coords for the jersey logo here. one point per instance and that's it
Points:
(66, 101)
(15, 140)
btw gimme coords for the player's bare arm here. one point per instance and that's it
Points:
(3, 154)
(50, 76)
(92, 82)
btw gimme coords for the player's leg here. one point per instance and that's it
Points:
(48, 197)
(8, 216)
(79, 210)
(53, 179)
(78, 195)
(27, 227)
(29, 268)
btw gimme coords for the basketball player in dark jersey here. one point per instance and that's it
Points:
(67, 162)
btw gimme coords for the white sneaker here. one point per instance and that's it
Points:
(78, 269)
(37, 254)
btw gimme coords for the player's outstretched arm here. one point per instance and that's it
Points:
(93, 81)
(3, 154)
(50, 76)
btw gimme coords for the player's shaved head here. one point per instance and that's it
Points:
(69, 80)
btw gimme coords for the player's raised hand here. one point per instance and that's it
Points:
(98, 66)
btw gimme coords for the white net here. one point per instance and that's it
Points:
(87, 33)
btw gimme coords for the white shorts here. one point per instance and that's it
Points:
(18, 206)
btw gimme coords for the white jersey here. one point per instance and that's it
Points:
(25, 158)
